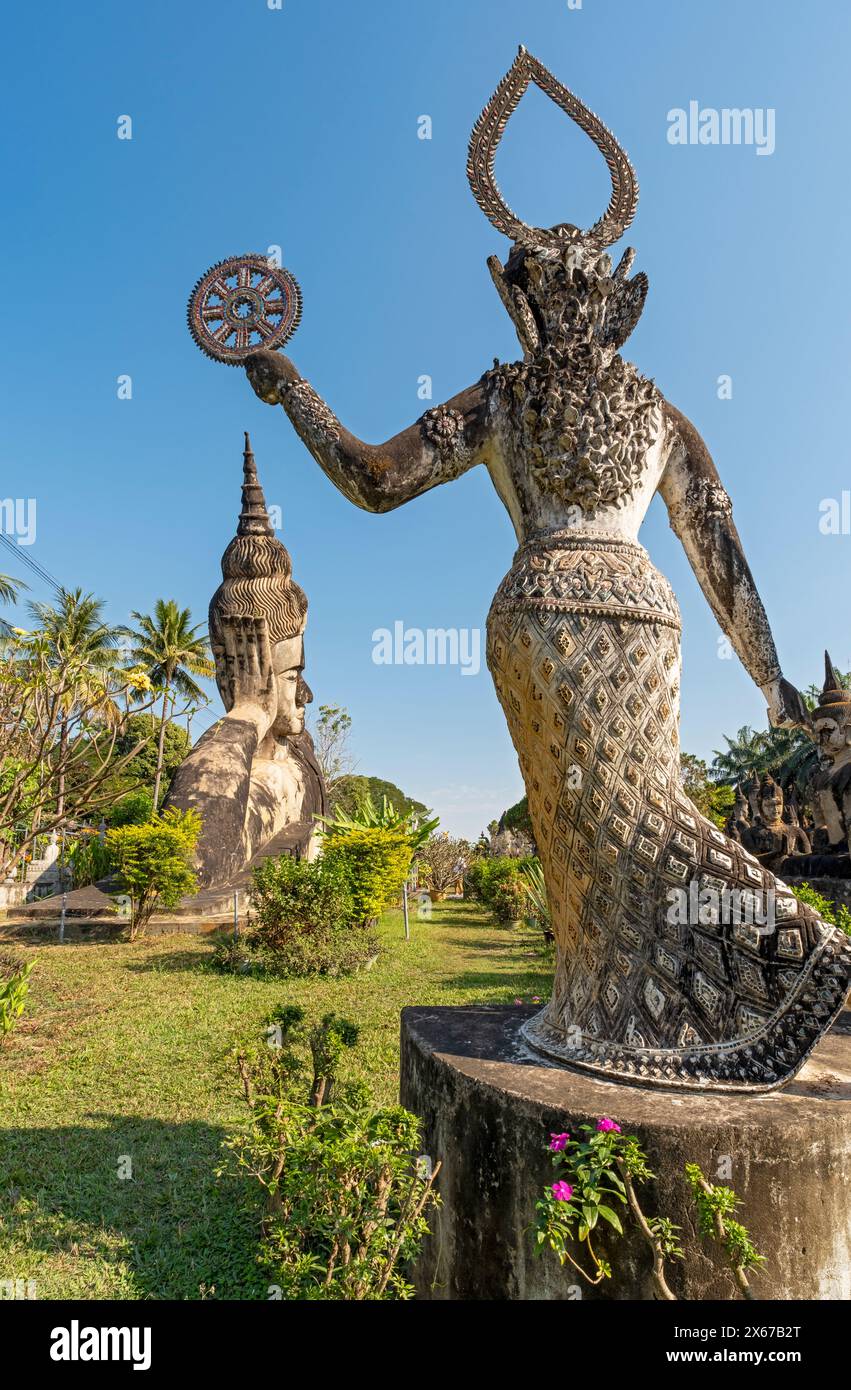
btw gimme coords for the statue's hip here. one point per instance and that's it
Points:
(598, 576)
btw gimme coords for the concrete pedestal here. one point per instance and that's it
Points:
(488, 1106)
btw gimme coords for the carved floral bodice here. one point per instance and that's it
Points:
(579, 442)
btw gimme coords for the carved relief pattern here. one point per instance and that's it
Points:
(709, 496)
(591, 694)
(443, 427)
(308, 410)
(584, 427)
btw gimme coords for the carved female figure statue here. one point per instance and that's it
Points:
(583, 646)
(253, 776)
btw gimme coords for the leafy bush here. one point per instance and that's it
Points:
(346, 1200)
(500, 884)
(836, 914)
(89, 857)
(155, 862)
(14, 988)
(375, 863)
(133, 809)
(306, 922)
(509, 901)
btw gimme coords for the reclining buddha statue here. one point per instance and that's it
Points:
(584, 650)
(253, 776)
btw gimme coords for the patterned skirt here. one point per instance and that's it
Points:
(681, 961)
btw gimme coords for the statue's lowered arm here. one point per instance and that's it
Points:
(442, 444)
(700, 513)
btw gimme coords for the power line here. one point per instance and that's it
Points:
(33, 565)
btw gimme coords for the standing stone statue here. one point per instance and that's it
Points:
(831, 786)
(253, 776)
(584, 649)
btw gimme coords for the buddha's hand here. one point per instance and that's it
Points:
(786, 708)
(270, 372)
(248, 671)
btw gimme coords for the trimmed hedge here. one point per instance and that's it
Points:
(375, 863)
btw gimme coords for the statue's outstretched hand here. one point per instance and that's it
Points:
(786, 708)
(268, 371)
(249, 674)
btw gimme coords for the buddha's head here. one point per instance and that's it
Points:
(257, 583)
(832, 716)
(558, 283)
(770, 800)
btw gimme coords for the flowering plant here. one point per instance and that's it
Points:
(570, 1211)
(601, 1172)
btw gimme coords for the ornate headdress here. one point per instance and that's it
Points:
(257, 570)
(558, 262)
(835, 700)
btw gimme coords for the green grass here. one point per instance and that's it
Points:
(122, 1053)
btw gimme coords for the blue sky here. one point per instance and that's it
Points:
(298, 127)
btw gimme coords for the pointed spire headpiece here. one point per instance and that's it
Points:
(256, 569)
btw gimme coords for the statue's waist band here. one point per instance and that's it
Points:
(566, 572)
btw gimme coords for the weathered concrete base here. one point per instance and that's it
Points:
(488, 1106)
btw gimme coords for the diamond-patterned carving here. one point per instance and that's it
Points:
(701, 1002)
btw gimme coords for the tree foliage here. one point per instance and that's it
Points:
(61, 718)
(354, 791)
(154, 862)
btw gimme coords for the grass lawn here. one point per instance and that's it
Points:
(122, 1054)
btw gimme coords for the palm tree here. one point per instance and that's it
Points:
(172, 652)
(10, 588)
(744, 754)
(76, 634)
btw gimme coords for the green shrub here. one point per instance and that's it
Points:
(89, 858)
(155, 862)
(14, 988)
(306, 922)
(133, 809)
(499, 883)
(837, 914)
(346, 1197)
(375, 863)
(509, 901)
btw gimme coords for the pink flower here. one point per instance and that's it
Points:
(562, 1191)
(558, 1142)
(536, 998)
(607, 1126)
(518, 1001)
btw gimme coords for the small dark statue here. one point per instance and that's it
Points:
(584, 649)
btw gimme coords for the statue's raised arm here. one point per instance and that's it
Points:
(701, 515)
(445, 441)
